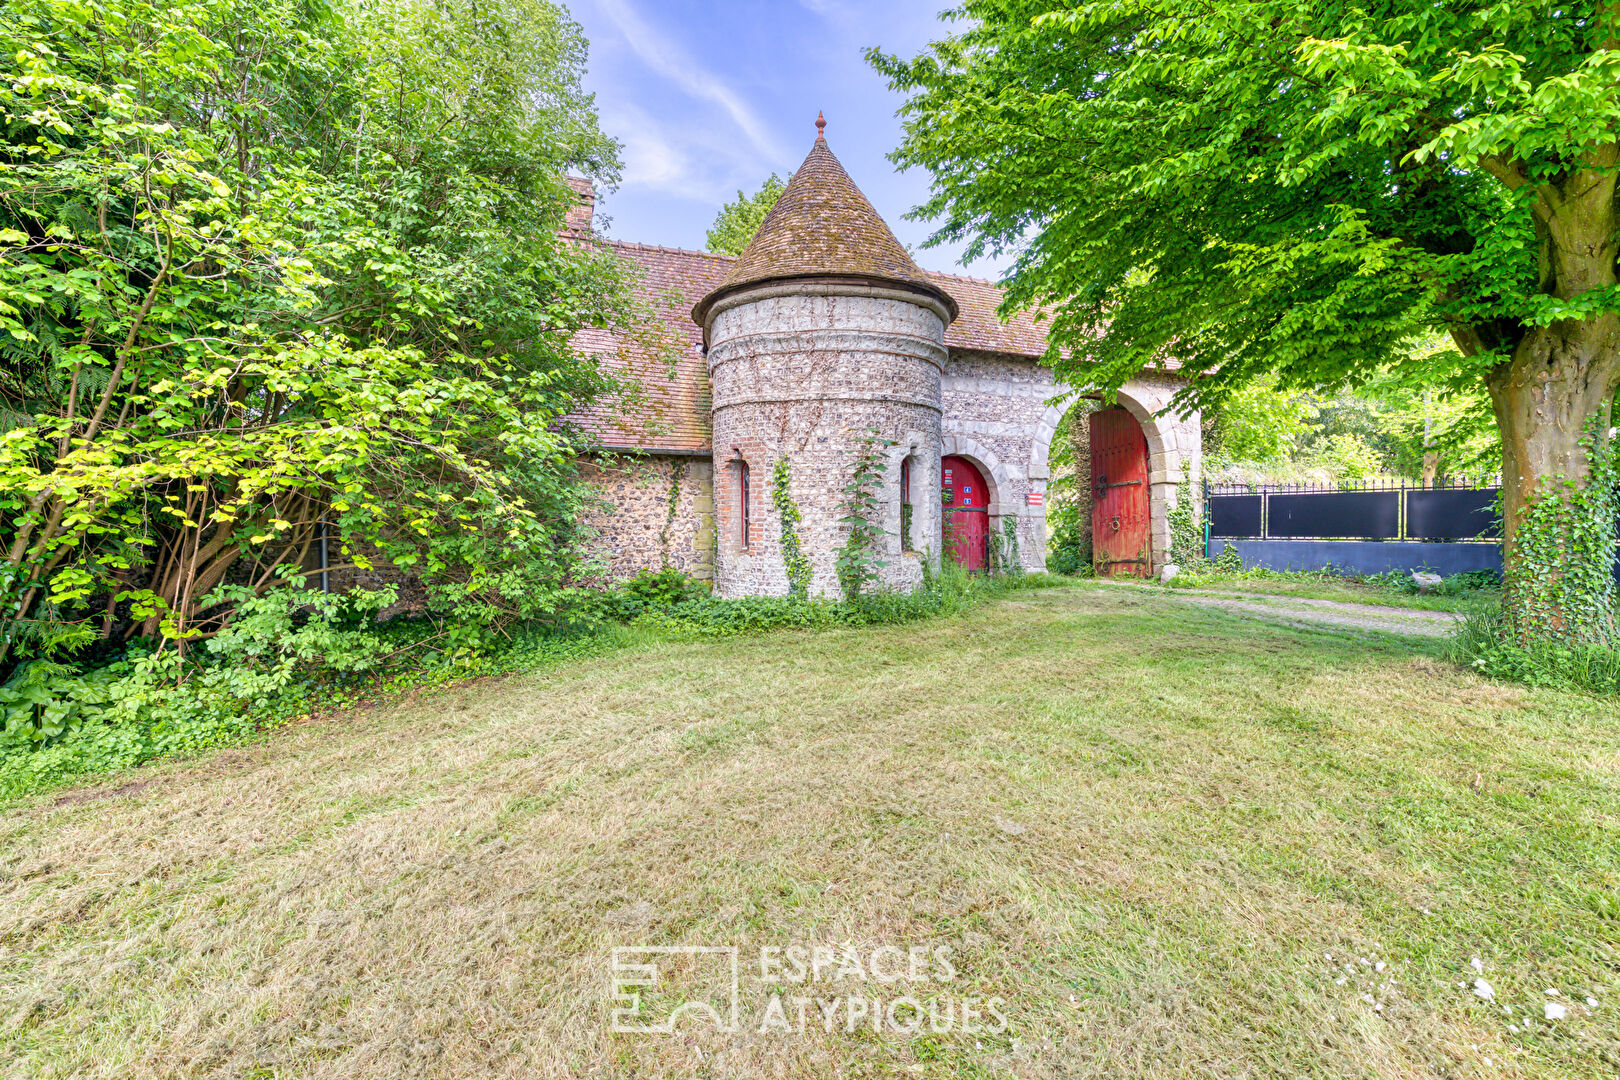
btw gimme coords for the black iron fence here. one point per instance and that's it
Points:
(1368, 526)
(1382, 509)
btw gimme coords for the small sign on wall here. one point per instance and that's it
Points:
(1036, 498)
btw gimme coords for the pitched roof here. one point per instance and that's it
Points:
(671, 412)
(823, 227)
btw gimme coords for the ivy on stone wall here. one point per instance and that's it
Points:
(677, 473)
(794, 560)
(858, 563)
(1186, 531)
(1005, 557)
(1561, 586)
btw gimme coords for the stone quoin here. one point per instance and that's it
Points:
(823, 331)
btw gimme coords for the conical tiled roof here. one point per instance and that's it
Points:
(823, 227)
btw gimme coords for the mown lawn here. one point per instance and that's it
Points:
(1341, 590)
(1144, 826)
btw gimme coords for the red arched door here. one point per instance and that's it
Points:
(1120, 504)
(965, 503)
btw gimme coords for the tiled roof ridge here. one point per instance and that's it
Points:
(721, 257)
(963, 277)
(636, 244)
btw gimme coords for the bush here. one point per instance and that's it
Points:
(288, 653)
(1485, 642)
(650, 590)
(948, 592)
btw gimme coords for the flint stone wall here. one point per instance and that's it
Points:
(802, 372)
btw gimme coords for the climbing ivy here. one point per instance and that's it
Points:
(677, 473)
(858, 563)
(794, 560)
(1004, 554)
(1560, 586)
(1186, 532)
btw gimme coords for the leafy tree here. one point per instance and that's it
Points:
(1301, 188)
(734, 227)
(1260, 423)
(271, 271)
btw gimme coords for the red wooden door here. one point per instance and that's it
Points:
(965, 504)
(1120, 506)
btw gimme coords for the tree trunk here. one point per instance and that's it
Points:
(1560, 378)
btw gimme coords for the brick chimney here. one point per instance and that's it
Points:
(578, 222)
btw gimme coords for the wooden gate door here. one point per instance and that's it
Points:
(1120, 506)
(966, 509)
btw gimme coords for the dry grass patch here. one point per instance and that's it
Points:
(1143, 826)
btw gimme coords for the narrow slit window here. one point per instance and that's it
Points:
(905, 504)
(742, 492)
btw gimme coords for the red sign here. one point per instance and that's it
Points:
(1036, 498)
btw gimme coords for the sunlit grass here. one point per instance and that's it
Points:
(1146, 826)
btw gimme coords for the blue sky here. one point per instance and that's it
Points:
(709, 96)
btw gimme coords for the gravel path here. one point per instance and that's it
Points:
(1298, 611)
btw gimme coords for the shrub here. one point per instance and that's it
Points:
(287, 653)
(1485, 641)
(649, 590)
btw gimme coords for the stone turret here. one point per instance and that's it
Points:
(825, 329)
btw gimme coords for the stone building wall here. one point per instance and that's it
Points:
(801, 372)
(1002, 413)
(661, 514)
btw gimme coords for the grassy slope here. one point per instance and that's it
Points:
(1143, 826)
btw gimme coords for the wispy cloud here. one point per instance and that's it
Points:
(665, 57)
(680, 167)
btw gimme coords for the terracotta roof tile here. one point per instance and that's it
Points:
(673, 414)
(822, 226)
(671, 411)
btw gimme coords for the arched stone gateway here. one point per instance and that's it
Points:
(1174, 441)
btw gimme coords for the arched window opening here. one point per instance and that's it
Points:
(905, 504)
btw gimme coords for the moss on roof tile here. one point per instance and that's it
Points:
(823, 226)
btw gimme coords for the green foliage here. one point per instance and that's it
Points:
(677, 473)
(906, 511)
(858, 563)
(1349, 457)
(290, 652)
(1560, 586)
(1186, 530)
(1259, 423)
(1004, 553)
(1068, 493)
(1294, 190)
(650, 590)
(1487, 642)
(734, 227)
(264, 265)
(794, 560)
(951, 591)
(1229, 561)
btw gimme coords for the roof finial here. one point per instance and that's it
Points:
(821, 125)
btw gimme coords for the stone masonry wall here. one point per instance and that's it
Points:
(640, 532)
(801, 372)
(1002, 413)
